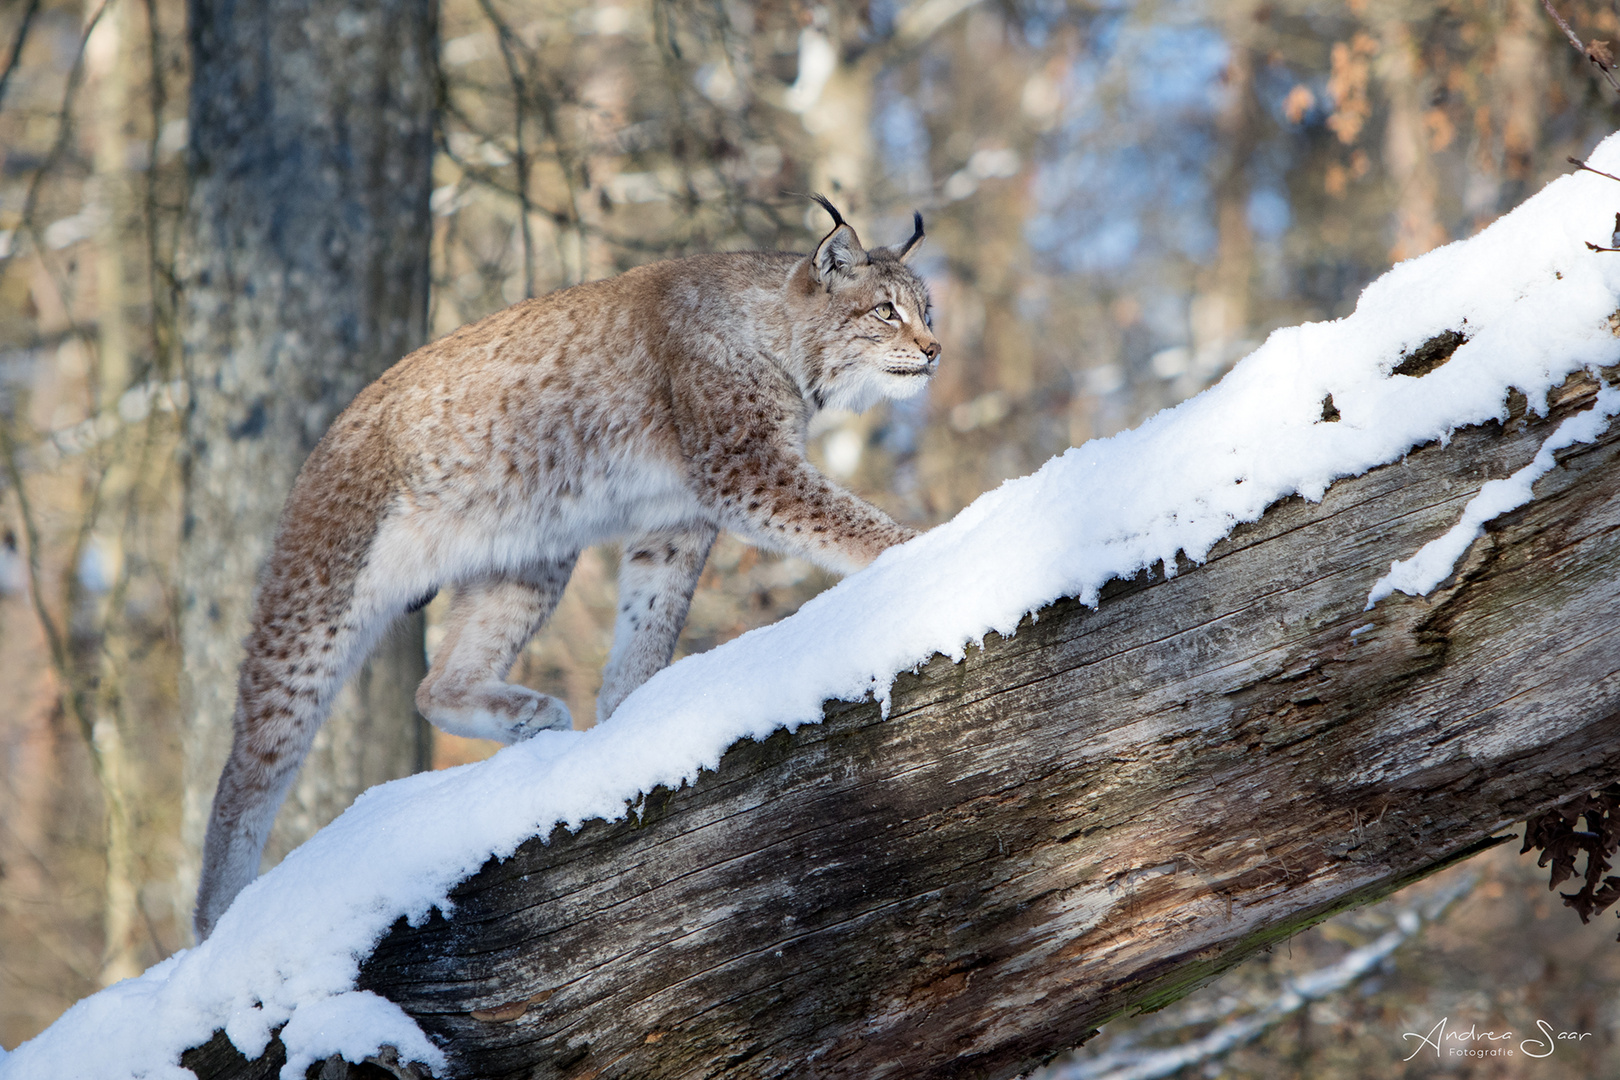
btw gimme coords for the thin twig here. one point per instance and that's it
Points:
(1126, 1059)
(487, 178)
(28, 226)
(1564, 26)
(161, 276)
(1579, 164)
(520, 158)
(64, 128)
(546, 102)
(54, 640)
(1579, 47)
(17, 45)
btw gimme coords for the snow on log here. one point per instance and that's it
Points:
(1098, 813)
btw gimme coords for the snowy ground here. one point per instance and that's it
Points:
(1534, 304)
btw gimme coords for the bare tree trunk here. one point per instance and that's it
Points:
(833, 95)
(1102, 812)
(1220, 312)
(106, 58)
(1521, 74)
(1406, 144)
(305, 274)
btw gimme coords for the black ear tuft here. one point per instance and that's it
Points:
(916, 240)
(826, 204)
(839, 252)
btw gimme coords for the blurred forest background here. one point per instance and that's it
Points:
(1122, 199)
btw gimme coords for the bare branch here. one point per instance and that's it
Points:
(1579, 164)
(17, 45)
(1126, 1062)
(1597, 52)
(64, 130)
(54, 638)
(520, 158)
(164, 285)
(524, 88)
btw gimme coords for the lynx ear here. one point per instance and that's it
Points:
(838, 254)
(904, 251)
(840, 251)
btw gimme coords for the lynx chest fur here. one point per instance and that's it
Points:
(654, 409)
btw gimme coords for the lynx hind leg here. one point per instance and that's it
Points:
(656, 578)
(466, 692)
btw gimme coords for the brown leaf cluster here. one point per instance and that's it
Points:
(1347, 86)
(1560, 842)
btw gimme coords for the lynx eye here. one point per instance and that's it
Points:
(886, 312)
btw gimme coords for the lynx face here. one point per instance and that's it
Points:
(875, 336)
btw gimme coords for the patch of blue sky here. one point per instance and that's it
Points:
(906, 419)
(1151, 196)
(881, 15)
(1269, 212)
(1085, 116)
(1076, 175)
(1099, 210)
(1175, 67)
(1107, 28)
(1039, 18)
(1110, 246)
(902, 139)
(1042, 232)
(1189, 230)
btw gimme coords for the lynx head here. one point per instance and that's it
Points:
(869, 334)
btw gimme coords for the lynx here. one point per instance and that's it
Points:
(654, 408)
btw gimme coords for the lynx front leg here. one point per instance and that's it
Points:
(466, 692)
(656, 579)
(781, 502)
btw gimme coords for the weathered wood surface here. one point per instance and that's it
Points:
(1098, 813)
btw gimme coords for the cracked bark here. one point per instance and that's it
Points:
(1099, 813)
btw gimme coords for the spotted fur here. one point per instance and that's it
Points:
(656, 408)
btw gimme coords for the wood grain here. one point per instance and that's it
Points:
(1099, 813)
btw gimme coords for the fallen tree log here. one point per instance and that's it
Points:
(1099, 813)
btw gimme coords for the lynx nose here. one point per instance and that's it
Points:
(931, 350)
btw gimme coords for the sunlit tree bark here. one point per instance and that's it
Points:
(107, 67)
(1224, 300)
(1521, 73)
(1406, 145)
